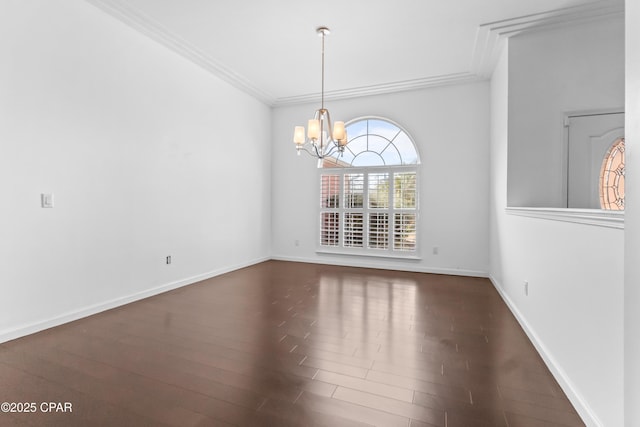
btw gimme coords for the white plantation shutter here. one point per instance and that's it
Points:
(404, 232)
(329, 217)
(369, 211)
(354, 210)
(330, 229)
(329, 191)
(404, 194)
(353, 229)
(354, 190)
(379, 230)
(378, 190)
(404, 204)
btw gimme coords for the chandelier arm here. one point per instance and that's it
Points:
(318, 151)
(330, 134)
(333, 149)
(302, 148)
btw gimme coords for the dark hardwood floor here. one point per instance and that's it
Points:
(291, 344)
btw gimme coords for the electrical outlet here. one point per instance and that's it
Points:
(526, 288)
(168, 259)
(436, 250)
(46, 200)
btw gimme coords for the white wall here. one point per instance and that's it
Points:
(573, 312)
(632, 217)
(450, 126)
(570, 69)
(498, 160)
(143, 152)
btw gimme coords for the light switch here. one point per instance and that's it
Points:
(47, 200)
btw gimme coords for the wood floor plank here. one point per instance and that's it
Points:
(336, 367)
(446, 391)
(525, 421)
(351, 411)
(541, 400)
(434, 417)
(381, 389)
(288, 414)
(288, 344)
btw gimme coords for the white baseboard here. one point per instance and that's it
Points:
(366, 263)
(581, 406)
(31, 328)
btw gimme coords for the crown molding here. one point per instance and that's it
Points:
(490, 36)
(154, 30)
(378, 89)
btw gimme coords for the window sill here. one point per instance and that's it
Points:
(393, 255)
(597, 217)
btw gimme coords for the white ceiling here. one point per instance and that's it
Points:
(271, 50)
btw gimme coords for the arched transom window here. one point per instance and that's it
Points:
(374, 142)
(369, 193)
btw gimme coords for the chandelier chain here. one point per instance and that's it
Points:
(322, 96)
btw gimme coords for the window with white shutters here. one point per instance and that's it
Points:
(369, 195)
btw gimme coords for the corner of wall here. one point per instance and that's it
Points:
(581, 406)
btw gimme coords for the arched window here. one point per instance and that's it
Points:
(611, 186)
(374, 142)
(369, 193)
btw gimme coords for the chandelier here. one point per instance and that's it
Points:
(322, 139)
